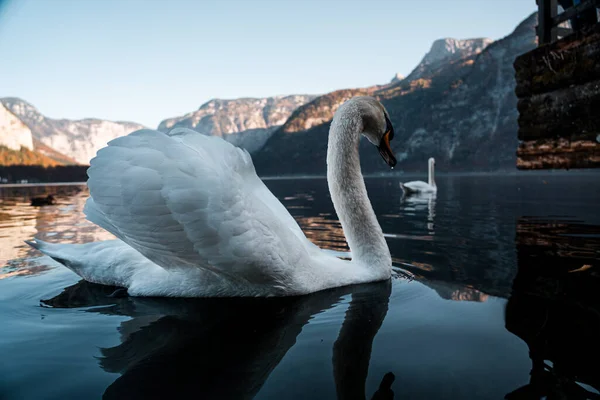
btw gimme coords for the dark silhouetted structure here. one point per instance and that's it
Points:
(558, 87)
(554, 307)
(580, 13)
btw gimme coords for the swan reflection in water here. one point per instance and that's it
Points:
(227, 348)
(422, 201)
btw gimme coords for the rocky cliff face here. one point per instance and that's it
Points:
(458, 105)
(397, 78)
(446, 51)
(467, 118)
(321, 109)
(14, 134)
(303, 138)
(221, 117)
(247, 123)
(78, 140)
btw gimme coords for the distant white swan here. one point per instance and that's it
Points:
(415, 187)
(193, 219)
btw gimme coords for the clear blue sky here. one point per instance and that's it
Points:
(146, 60)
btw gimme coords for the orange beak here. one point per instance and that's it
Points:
(385, 150)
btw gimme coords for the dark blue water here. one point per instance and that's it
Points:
(495, 292)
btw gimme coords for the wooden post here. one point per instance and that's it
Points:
(551, 24)
(548, 18)
(544, 21)
(572, 12)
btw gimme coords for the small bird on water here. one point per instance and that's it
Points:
(43, 201)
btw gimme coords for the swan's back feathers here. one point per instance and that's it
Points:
(186, 200)
(417, 187)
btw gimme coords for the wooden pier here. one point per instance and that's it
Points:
(558, 87)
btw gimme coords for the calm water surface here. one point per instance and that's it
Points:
(495, 292)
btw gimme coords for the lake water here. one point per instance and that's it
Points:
(495, 291)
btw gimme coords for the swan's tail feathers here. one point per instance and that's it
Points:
(95, 261)
(44, 247)
(55, 251)
(33, 243)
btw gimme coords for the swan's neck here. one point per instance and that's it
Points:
(431, 180)
(349, 194)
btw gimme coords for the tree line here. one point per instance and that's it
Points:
(41, 174)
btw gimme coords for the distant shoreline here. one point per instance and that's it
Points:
(12, 185)
(589, 171)
(368, 176)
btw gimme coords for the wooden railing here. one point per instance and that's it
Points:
(548, 18)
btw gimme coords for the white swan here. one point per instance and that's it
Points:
(193, 219)
(415, 187)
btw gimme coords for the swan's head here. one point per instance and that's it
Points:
(431, 161)
(376, 125)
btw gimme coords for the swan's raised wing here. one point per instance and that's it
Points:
(186, 200)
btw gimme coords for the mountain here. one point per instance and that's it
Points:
(397, 78)
(442, 53)
(303, 138)
(466, 117)
(246, 122)
(320, 110)
(54, 155)
(445, 51)
(17, 142)
(77, 140)
(457, 105)
(14, 134)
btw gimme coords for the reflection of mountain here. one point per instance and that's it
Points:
(456, 292)
(462, 238)
(15, 227)
(325, 233)
(554, 307)
(328, 233)
(225, 348)
(66, 222)
(468, 256)
(63, 222)
(423, 206)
